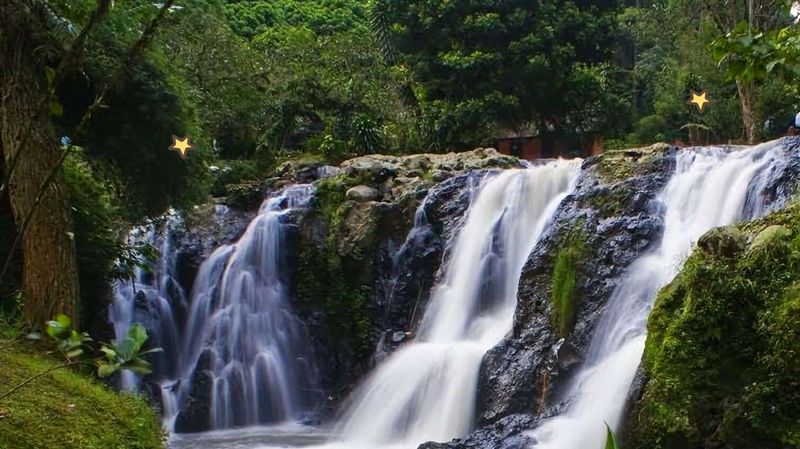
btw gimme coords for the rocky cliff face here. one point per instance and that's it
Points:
(369, 248)
(608, 221)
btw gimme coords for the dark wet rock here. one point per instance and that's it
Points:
(507, 433)
(201, 231)
(195, 413)
(781, 185)
(616, 220)
(412, 268)
(365, 267)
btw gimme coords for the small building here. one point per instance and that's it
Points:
(548, 147)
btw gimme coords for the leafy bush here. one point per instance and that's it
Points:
(234, 172)
(651, 129)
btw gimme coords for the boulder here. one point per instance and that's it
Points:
(770, 236)
(195, 413)
(363, 193)
(727, 242)
(507, 433)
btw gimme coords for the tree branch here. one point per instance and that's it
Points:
(43, 373)
(133, 54)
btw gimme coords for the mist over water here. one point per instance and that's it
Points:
(711, 187)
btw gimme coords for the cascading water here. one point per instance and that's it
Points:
(242, 329)
(425, 391)
(151, 297)
(711, 187)
(238, 328)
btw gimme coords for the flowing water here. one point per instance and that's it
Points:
(238, 326)
(241, 326)
(151, 296)
(426, 390)
(711, 187)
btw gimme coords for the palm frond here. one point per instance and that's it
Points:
(381, 26)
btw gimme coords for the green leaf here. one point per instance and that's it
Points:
(110, 353)
(125, 349)
(611, 440)
(151, 351)
(75, 353)
(140, 370)
(63, 320)
(138, 334)
(107, 369)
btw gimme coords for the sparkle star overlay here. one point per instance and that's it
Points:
(181, 145)
(699, 100)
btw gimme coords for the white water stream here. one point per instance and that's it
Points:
(710, 188)
(426, 390)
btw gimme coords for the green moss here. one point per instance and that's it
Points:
(65, 409)
(618, 165)
(337, 281)
(721, 353)
(563, 286)
(326, 282)
(609, 202)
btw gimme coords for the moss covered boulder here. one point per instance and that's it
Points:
(721, 357)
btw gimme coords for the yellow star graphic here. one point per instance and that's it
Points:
(699, 99)
(182, 146)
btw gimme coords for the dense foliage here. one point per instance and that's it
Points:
(675, 46)
(487, 68)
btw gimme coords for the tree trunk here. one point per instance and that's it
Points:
(746, 100)
(50, 280)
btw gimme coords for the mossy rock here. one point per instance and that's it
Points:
(722, 345)
(727, 241)
(771, 235)
(618, 165)
(564, 283)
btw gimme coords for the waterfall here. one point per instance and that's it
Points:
(241, 328)
(711, 187)
(238, 330)
(426, 390)
(150, 298)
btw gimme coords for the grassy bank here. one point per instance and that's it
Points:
(67, 410)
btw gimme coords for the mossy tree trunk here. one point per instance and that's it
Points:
(50, 279)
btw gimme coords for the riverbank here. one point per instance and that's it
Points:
(66, 409)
